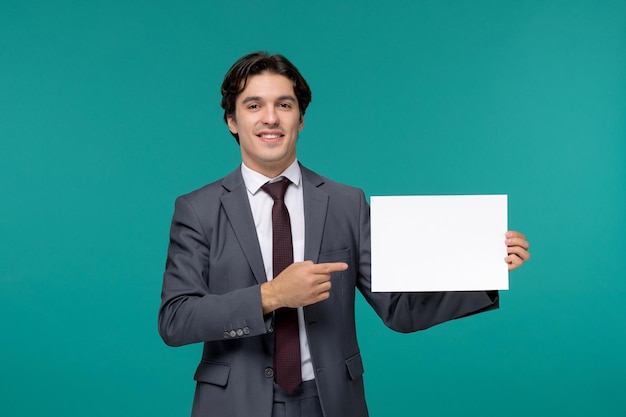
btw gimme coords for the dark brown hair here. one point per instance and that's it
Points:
(256, 63)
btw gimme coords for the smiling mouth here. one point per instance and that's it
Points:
(270, 137)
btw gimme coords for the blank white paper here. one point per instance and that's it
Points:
(439, 243)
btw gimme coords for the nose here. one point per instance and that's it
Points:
(270, 116)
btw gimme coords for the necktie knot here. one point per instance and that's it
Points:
(277, 189)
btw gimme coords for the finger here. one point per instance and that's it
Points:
(513, 233)
(324, 294)
(324, 289)
(319, 293)
(324, 286)
(522, 253)
(327, 268)
(517, 241)
(514, 261)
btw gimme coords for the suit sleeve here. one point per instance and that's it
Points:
(189, 313)
(409, 312)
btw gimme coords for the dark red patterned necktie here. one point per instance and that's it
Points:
(287, 367)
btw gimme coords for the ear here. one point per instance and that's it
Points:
(232, 124)
(301, 124)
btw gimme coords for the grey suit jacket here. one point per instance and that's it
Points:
(211, 294)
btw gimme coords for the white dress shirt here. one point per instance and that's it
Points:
(261, 204)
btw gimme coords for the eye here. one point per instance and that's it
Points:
(253, 106)
(285, 105)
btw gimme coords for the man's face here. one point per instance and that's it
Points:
(267, 120)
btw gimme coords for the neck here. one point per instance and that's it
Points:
(269, 170)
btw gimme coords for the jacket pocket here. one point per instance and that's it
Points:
(355, 366)
(213, 373)
(342, 255)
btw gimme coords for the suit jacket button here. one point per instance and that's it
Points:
(269, 372)
(233, 333)
(239, 332)
(226, 335)
(246, 330)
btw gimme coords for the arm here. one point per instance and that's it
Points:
(190, 311)
(408, 312)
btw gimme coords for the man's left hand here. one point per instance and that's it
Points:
(517, 248)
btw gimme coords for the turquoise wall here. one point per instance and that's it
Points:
(109, 110)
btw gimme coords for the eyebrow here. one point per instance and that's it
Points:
(280, 98)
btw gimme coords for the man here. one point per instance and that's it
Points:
(227, 283)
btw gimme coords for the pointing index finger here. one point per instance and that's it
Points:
(328, 267)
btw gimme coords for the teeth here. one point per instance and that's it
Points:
(270, 136)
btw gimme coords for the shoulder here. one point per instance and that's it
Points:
(214, 190)
(330, 186)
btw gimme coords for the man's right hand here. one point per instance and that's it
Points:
(299, 285)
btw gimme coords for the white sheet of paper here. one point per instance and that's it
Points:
(439, 243)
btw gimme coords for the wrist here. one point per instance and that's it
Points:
(269, 300)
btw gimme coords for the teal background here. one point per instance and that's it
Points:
(109, 110)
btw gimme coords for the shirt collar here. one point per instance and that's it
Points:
(254, 180)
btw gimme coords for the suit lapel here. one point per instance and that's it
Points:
(237, 207)
(315, 206)
(315, 209)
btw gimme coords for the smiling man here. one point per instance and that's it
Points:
(263, 266)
